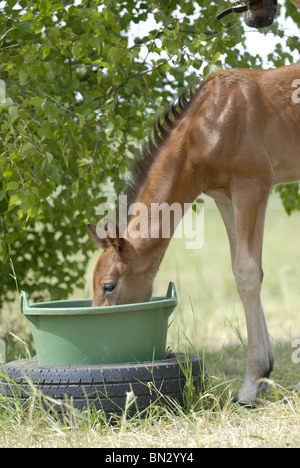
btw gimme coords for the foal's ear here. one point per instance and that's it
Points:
(113, 234)
(110, 235)
(98, 241)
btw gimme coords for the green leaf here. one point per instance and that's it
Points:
(44, 7)
(52, 112)
(27, 16)
(13, 113)
(36, 101)
(49, 157)
(81, 120)
(22, 77)
(55, 174)
(33, 211)
(27, 149)
(46, 51)
(14, 199)
(211, 68)
(12, 186)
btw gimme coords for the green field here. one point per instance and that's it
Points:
(209, 320)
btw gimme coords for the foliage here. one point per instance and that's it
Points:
(81, 92)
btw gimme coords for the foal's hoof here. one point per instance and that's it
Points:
(245, 404)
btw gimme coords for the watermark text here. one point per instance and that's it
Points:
(296, 353)
(296, 93)
(154, 221)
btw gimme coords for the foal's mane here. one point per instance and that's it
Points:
(162, 129)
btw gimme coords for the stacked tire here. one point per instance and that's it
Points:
(113, 388)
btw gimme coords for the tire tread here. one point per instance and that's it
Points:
(103, 386)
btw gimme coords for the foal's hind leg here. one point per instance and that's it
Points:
(244, 221)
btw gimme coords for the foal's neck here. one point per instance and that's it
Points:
(171, 178)
(167, 189)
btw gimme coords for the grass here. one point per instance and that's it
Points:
(208, 320)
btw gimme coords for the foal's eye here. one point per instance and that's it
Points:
(110, 287)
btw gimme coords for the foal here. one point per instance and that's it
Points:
(236, 137)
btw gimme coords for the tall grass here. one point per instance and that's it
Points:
(209, 321)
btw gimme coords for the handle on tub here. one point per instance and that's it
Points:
(24, 301)
(171, 293)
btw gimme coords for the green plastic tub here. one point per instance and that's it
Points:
(69, 333)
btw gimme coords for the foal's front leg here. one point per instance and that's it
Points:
(249, 200)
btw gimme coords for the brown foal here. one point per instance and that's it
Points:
(236, 137)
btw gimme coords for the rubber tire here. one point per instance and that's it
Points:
(104, 386)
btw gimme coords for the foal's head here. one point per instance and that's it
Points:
(261, 14)
(120, 275)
